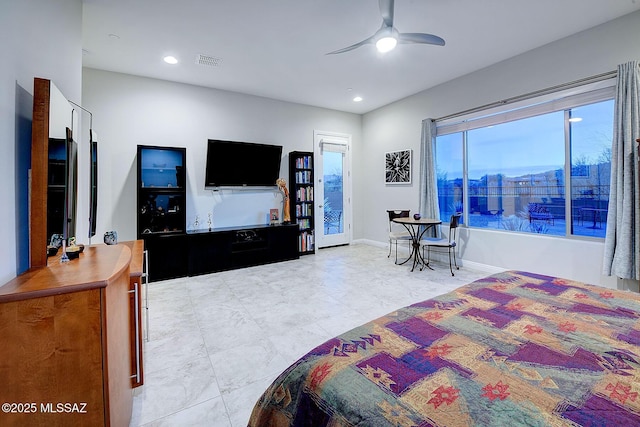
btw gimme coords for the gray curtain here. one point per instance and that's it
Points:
(621, 242)
(429, 207)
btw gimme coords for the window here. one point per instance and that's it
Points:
(449, 174)
(591, 133)
(543, 168)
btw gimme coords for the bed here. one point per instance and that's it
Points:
(513, 349)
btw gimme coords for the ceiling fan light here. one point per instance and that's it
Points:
(385, 44)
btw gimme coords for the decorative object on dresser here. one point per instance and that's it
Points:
(111, 237)
(301, 182)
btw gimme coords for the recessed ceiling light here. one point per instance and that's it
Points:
(357, 99)
(575, 119)
(170, 60)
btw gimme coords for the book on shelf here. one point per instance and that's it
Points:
(303, 210)
(304, 223)
(304, 162)
(306, 241)
(304, 194)
(303, 177)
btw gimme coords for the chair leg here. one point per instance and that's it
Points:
(455, 261)
(396, 261)
(450, 267)
(389, 256)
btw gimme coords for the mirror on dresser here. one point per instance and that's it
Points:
(53, 169)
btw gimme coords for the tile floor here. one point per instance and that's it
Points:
(217, 341)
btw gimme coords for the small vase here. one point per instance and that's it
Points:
(111, 238)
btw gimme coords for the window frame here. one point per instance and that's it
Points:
(563, 100)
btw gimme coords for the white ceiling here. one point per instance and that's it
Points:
(277, 48)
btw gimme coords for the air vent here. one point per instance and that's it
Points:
(207, 60)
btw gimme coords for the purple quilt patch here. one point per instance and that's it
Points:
(632, 337)
(326, 348)
(421, 360)
(533, 275)
(538, 354)
(498, 318)
(492, 295)
(591, 309)
(391, 373)
(547, 287)
(417, 330)
(600, 412)
(440, 305)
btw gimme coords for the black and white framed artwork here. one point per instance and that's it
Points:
(398, 167)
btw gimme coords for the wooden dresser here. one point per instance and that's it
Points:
(66, 340)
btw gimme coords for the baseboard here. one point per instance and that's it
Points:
(443, 257)
(370, 243)
(483, 267)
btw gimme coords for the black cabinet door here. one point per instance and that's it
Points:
(283, 243)
(168, 256)
(209, 252)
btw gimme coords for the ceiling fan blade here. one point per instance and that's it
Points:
(353, 46)
(420, 38)
(386, 10)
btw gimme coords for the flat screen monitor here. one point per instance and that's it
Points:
(93, 182)
(242, 164)
(71, 185)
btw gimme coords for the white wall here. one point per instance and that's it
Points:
(398, 126)
(129, 110)
(40, 38)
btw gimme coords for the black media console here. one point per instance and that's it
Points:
(203, 251)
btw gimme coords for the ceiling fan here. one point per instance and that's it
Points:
(388, 36)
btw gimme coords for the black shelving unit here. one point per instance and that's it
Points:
(301, 196)
(161, 217)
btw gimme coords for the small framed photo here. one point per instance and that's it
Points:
(274, 216)
(398, 167)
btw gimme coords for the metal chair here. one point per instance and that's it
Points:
(396, 231)
(332, 219)
(449, 243)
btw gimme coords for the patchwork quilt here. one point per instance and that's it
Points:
(512, 349)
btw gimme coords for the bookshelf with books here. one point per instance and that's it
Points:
(301, 191)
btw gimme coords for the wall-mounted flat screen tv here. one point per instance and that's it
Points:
(242, 164)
